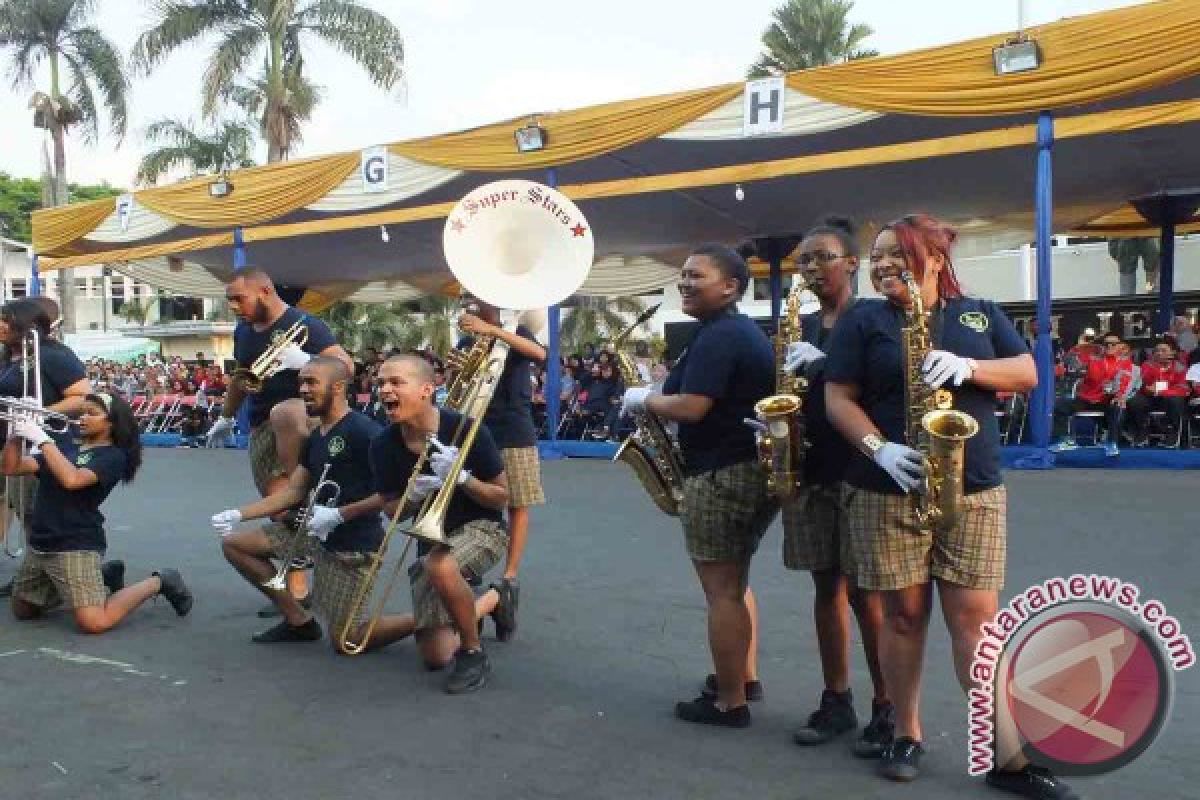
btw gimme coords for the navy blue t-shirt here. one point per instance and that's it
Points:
(730, 360)
(866, 350)
(65, 519)
(509, 417)
(826, 459)
(347, 449)
(392, 465)
(61, 369)
(249, 344)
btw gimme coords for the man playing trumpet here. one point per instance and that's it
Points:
(445, 611)
(279, 425)
(339, 539)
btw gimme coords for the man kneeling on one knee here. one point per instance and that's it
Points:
(446, 614)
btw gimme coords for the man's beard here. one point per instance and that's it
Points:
(261, 314)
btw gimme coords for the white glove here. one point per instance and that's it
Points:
(224, 521)
(941, 367)
(29, 430)
(634, 400)
(800, 355)
(292, 357)
(441, 462)
(322, 521)
(219, 431)
(424, 485)
(905, 465)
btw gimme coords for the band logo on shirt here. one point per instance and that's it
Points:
(83, 459)
(975, 320)
(336, 445)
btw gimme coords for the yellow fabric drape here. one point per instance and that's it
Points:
(1126, 221)
(259, 193)
(1084, 60)
(571, 135)
(57, 227)
(1105, 122)
(318, 298)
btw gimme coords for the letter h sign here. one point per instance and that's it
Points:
(762, 109)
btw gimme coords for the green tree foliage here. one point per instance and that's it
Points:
(596, 320)
(811, 33)
(20, 197)
(178, 144)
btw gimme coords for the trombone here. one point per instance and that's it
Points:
(13, 409)
(326, 492)
(429, 519)
(29, 405)
(267, 364)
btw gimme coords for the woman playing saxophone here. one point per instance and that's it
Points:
(973, 351)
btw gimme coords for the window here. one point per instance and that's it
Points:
(81, 287)
(17, 288)
(117, 292)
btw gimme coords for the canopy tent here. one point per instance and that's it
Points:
(936, 130)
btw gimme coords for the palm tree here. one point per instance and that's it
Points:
(58, 34)
(249, 28)
(379, 325)
(597, 319)
(300, 98)
(437, 325)
(136, 311)
(811, 33)
(225, 147)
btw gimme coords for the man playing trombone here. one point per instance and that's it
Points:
(267, 379)
(334, 461)
(445, 611)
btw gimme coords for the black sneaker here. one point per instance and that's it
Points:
(879, 731)
(270, 610)
(834, 717)
(704, 710)
(175, 590)
(1034, 782)
(470, 673)
(308, 632)
(113, 575)
(901, 760)
(754, 689)
(504, 616)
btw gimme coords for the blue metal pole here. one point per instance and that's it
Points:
(553, 368)
(1166, 271)
(239, 250)
(1041, 405)
(35, 284)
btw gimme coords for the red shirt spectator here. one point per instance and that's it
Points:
(1164, 380)
(1106, 377)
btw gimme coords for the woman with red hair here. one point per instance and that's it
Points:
(976, 352)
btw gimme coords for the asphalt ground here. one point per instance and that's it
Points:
(612, 633)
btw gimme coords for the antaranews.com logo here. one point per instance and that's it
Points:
(1075, 674)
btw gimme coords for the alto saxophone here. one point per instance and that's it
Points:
(781, 446)
(650, 450)
(932, 427)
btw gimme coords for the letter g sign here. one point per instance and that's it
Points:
(373, 168)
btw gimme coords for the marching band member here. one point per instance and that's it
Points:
(814, 523)
(338, 539)
(66, 541)
(278, 424)
(727, 367)
(509, 419)
(977, 352)
(446, 615)
(64, 384)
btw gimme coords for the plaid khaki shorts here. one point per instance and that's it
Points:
(814, 530)
(477, 547)
(72, 578)
(336, 576)
(264, 458)
(524, 474)
(891, 552)
(726, 511)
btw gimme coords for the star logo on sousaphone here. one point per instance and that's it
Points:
(579, 230)
(457, 225)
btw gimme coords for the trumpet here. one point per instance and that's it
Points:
(326, 492)
(13, 409)
(252, 378)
